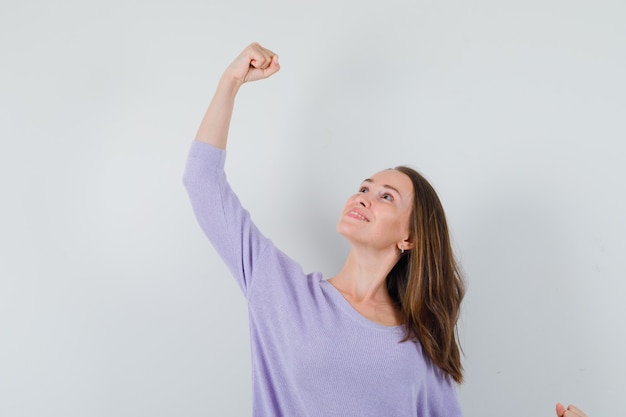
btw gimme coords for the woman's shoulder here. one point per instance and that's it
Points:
(276, 264)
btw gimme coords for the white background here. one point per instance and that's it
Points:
(112, 302)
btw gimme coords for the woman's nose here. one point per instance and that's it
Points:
(363, 200)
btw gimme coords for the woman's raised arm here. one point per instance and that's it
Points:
(254, 63)
(218, 210)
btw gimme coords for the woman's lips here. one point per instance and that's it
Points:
(356, 214)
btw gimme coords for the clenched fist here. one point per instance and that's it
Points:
(254, 63)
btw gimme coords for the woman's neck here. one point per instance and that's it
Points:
(361, 281)
(364, 273)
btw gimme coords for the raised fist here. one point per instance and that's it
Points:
(254, 63)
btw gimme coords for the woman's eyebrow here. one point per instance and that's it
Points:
(384, 185)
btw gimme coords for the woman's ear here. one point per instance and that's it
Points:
(405, 244)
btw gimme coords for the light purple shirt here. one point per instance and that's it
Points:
(313, 355)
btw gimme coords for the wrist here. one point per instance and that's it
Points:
(229, 85)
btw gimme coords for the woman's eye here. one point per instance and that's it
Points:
(363, 190)
(388, 197)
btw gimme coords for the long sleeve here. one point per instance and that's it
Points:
(220, 214)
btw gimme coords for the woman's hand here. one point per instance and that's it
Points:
(570, 411)
(254, 63)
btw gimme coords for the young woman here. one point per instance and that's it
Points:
(378, 339)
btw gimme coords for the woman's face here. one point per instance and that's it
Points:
(378, 214)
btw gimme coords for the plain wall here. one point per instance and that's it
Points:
(112, 302)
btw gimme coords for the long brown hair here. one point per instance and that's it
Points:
(426, 282)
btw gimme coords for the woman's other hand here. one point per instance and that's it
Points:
(570, 411)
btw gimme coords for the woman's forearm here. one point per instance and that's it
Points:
(216, 121)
